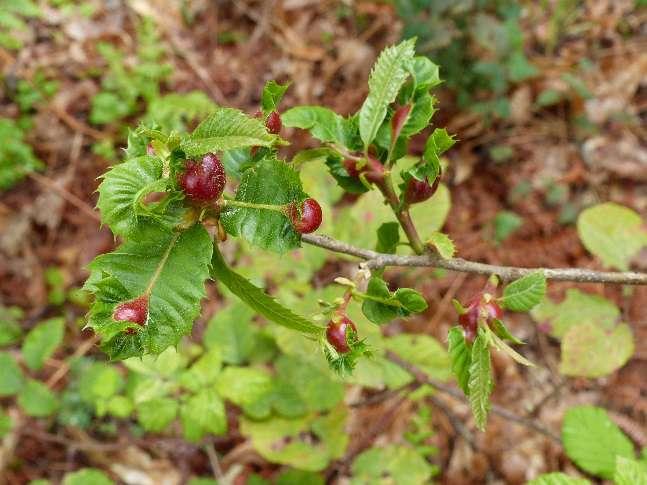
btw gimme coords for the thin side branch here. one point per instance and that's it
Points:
(403, 216)
(380, 260)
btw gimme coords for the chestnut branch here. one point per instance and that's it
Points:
(376, 260)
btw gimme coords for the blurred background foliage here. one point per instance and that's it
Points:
(548, 101)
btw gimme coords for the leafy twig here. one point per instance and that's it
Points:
(381, 260)
(421, 377)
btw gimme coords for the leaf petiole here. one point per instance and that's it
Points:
(345, 153)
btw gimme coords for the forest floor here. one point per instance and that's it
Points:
(542, 163)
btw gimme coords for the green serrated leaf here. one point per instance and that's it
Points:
(272, 94)
(385, 81)
(173, 111)
(480, 383)
(558, 478)
(290, 441)
(411, 300)
(315, 388)
(122, 191)
(324, 124)
(269, 182)
(243, 385)
(388, 237)
(176, 265)
(630, 472)
(425, 73)
(593, 441)
(380, 308)
(438, 143)
(420, 116)
(501, 331)
(298, 388)
(137, 143)
(156, 415)
(226, 129)
(203, 413)
(204, 371)
(461, 357)
(231, 331)
(613, 233)
(41, 342)
(523, 294)
(591, 351)
(257, 299)
(443, 244)
(100, 382)
(391, 464)
(37, 400)
(108, 107)
(423, 171)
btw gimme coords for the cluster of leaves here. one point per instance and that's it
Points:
(29, 93)
(131, 87)
(593, 342)
(13, 16)
(163, 236)
(33, 396)
(291, 403)
(471, 359)
(17, 158)
(596, 445)
(480, 44)
(125, 83)
(449, 31)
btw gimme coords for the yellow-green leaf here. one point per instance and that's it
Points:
(591, 351)
(443, 244)
(613, 233)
